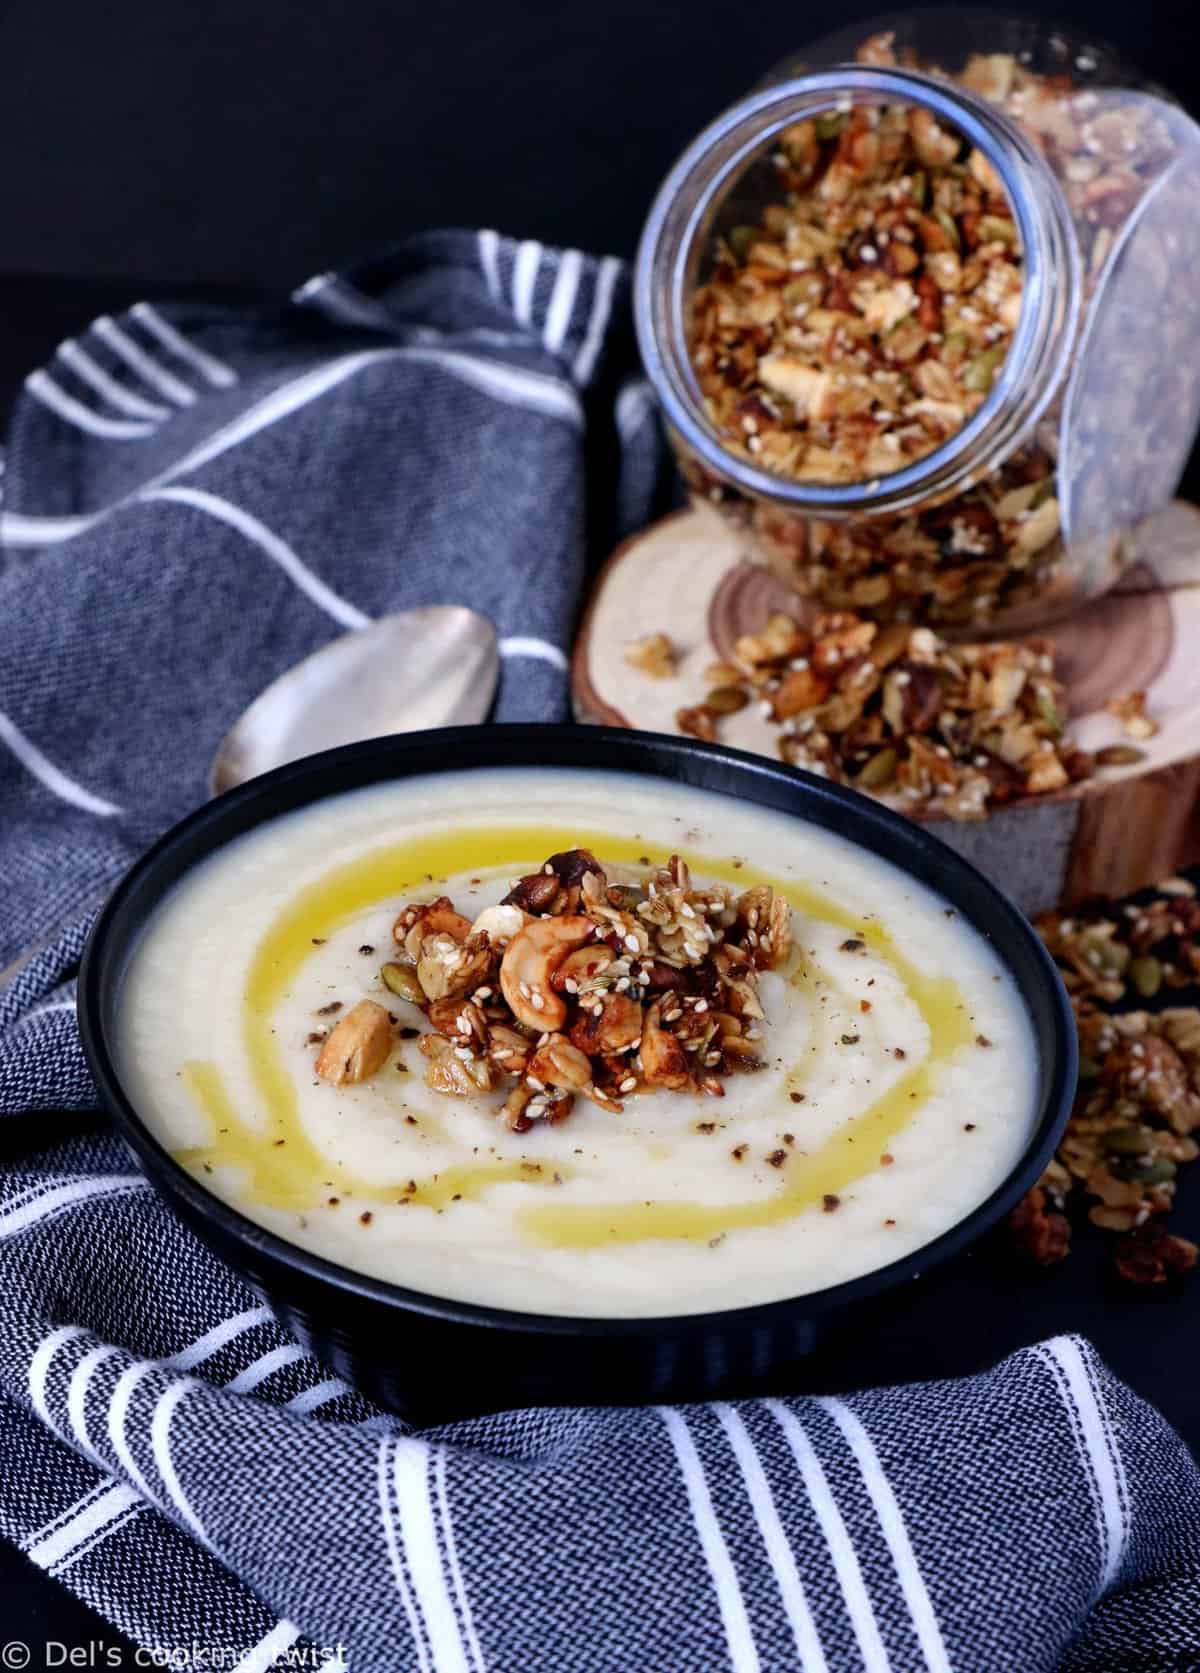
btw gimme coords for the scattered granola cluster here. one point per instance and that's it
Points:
(863, 322)
(1138, 1104)
(577, 986)
(897, 711)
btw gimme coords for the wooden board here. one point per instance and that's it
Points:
(686, 576)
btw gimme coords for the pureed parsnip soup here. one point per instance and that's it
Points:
(729, 1056)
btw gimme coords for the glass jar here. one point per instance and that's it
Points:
(1029, 505)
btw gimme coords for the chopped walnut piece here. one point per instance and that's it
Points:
(1150, 1254)
(357, 1046)
(654, 655)
(1041, 1230)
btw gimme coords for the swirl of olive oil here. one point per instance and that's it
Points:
(282, 1168)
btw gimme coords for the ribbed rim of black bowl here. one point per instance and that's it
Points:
(908, 846)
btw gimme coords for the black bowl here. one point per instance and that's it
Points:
(431, 1358)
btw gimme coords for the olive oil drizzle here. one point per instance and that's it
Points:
(283, 1168)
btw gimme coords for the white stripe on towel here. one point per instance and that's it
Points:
(414, 1503)
(533, 390)
(383, 1481)
(602, 299)
(204, 1347)
(211, 369)
(634, 405)
(540, 650)
(1101, 1462)
(103, 1507)
(63, 1197)
(136, 357)
(525, 272)
(44, 389)
(891, 1521)
(837, 1537)
(46, 773)
(268, 1649)
(45, 1010)
(77, 1392)
(18, 530)
(331, 1388)
(265, 1367)
(456, 1573)
(779, 1552)
(738, 1638)
(91, 373)
(341, 302)
(118, 1410)
(39, 1366)
(343, 612)
(562, 300)
(489, 261)
(160, 1441)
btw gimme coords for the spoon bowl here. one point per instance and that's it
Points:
(408, 672)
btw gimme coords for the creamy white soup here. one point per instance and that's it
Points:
(895, 1091)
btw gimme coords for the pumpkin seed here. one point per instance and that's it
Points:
(949, 226)
(740, 239)
(726, 700)
(1126, 1141)
(1119, 755)
(401, 979)
(879, 770)
(982, 370)
(1049, 712)
(918, 182)
(1088, 1068)
(830, 124)
(1154, 1172)
(1146, 974)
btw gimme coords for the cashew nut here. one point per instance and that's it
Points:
(531, 960)
(357, 1046)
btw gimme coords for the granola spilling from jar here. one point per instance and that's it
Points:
(895, 710)
(859, 326)
(864, 321)
(1137, 1111)
(578, 986)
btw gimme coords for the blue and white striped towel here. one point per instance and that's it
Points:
(194, 500)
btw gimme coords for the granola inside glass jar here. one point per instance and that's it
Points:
(922, 316)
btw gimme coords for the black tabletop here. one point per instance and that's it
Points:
(228, 149)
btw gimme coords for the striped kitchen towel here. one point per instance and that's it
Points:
(194, 500)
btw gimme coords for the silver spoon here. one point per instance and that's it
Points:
(404, 673)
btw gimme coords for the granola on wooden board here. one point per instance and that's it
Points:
(895, 710)
(1137, 1110)
(577, 986)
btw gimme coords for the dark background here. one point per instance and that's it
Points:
(235, 146)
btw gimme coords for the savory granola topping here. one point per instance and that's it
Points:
(897, 711)
(864, 321)
(1138, 1105)
(575, 986)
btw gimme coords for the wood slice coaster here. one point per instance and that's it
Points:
(1129, 826)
